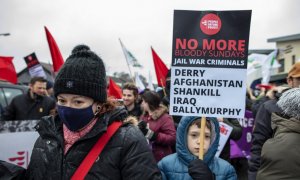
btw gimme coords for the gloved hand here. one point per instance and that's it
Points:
(198, 170)
(143, 127)
(148, 133)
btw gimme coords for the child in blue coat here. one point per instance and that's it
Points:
(185, 165)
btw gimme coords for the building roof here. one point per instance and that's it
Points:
(260, 51)
(24, 76)
(285, 38)
(278, 79)
(46, 67)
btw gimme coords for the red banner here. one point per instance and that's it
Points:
(7, 70)
(114, 90)
(57, 58)
(161, 69)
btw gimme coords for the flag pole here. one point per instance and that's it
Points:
(127, 61)
(202, 134)
(163, 87)
(52, 71)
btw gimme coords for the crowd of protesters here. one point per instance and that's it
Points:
(268, 129)
(140, 139)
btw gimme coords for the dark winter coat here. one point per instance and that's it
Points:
(23, 107)
(280, 158)
(10, 171)
(175, 166)
(163, 126)
(257, 103)
(125, 156)
(136, 111)
(261, 133)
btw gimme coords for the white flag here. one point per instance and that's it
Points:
(255, 62)
(269, 64)
(131, 60)
(150, 84)
(138, 82)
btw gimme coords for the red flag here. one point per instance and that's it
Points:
(161, 69)
(57, 58)
(267, 87)
(114, 90)
(7, 70)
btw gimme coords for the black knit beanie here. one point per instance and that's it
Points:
(83, 73)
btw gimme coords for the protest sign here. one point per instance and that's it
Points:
(34, 66)
(17, 140)
(225, 131)
(209, 63)
(241, 147)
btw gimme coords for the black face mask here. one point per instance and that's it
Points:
(75, 119)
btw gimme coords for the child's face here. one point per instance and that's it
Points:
(193, 139)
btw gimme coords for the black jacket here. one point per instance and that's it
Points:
(10, 171)
(23, 107)
(136, 111)
(256, 105)
(125, 156)
(261, 133)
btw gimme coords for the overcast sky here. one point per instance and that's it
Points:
(140, 24)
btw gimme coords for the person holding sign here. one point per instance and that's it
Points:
(185, 165)
(87, 139)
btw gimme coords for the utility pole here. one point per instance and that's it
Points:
(5, 34)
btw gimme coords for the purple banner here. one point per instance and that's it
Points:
(241, 148)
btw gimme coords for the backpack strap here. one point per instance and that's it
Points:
(89, 160)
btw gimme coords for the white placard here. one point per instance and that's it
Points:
(225, 131)
(37, 70)
(209, 63)
(209, 92)
(16, 147)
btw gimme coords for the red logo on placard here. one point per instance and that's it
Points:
(210, 24)
(223, 130)
(21, 159)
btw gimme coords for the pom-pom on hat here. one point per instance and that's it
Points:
(83, 73)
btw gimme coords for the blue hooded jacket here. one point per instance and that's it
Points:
(175, 166)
